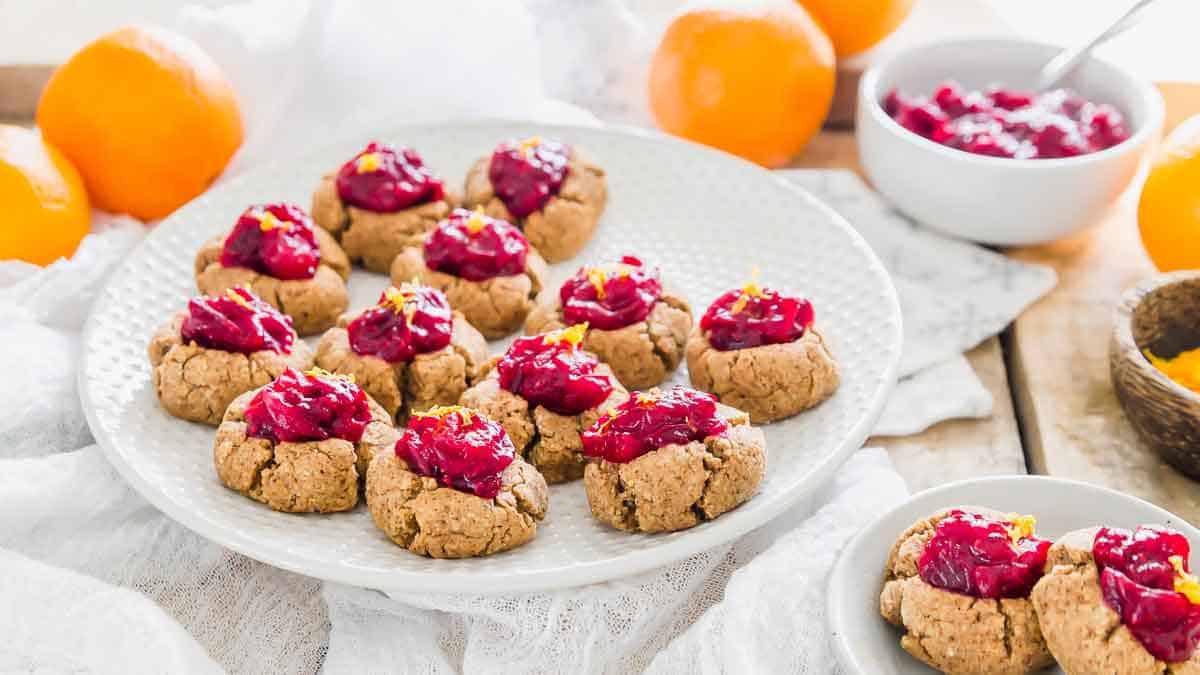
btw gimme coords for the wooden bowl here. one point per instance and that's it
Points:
(1161, 314)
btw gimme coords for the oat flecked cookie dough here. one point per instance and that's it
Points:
(635, 326)
(454, 487)
(273, 448)
(275, 251)
(973, 629)
(483, 265)
(218, 349)
(552, 191)
(1087, 634)
(410, 352)
(545, 390)
(379, 202)
(757, 350)
(669, 460)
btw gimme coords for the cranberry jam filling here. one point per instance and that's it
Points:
(1145, 578)
(409, 320)
(385, 179)
(472, 246)
(459, 447)
(551, 371)
(237, 322)
(755, 316)
(982, 557)
(311, 406)
(273, 239)
(1008, 123)
(526, 174)
(610, 297)
(650, 420)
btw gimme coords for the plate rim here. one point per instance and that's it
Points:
(717, 532)
(840, 575)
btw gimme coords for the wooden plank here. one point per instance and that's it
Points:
(955, 449)
(959, 449)
(1073, 425)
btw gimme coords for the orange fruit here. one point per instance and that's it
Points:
(857, 25)
(45, 208)
(147, 118)
(754, 82)
(1169, 208)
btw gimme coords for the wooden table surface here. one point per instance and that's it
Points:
(1055, 409)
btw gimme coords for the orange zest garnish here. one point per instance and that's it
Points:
(441, 412)
(526, 146)
(368, 162)
(598, 278)
(232, 294)
(647, 399)
(267, 222)
(325, 374)
(1020, 527)
(476, 222)
(399, 300)
(750, 289)
(1185, 582)
(572, 335)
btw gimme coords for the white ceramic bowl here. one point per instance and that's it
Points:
(866, 644)
(996, 200)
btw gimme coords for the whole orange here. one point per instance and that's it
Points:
(147, 118)
(43, 206)
(1169, 208)
(754, 82)
(857, 25)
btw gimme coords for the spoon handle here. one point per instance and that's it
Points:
(1066, 60)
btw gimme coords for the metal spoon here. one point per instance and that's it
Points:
(1061, 65)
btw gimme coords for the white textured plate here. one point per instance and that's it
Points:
(868, 645)
(706, 218)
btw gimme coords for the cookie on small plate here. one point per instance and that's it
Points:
(409, 352)
(453, 487)
(669, 460)
(302, 443)
(549, 189)
(545, 390)
(484, 266)
(218, 349)
(958, 582)
(757, 350)
(380, 201)
(275, 251)
(635, 326)
(1121, 601)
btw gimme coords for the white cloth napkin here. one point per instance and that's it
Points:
(95, 579)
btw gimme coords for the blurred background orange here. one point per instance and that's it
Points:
(754, 82)
(145, 116)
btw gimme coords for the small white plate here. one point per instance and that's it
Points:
(705, 217)
(868, 645)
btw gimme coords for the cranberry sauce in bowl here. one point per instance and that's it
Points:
(1004, 122)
